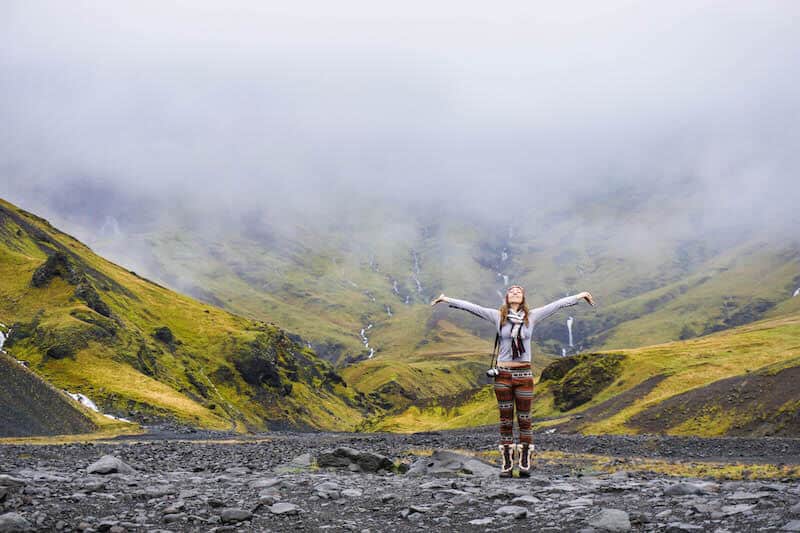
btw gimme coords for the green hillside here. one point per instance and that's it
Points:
(336, 286)
(736, 382)
(143, 352)
(351, 276)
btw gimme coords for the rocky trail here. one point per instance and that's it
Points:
(174, 480)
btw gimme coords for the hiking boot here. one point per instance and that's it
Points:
(524, 457)
(506, 460)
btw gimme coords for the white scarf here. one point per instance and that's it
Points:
(516, 318)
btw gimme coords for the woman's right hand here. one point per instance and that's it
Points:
(438, 299)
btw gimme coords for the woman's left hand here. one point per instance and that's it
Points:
(588, 297)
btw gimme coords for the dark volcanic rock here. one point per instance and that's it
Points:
(233, 515)
(343, 457)
(59, 265)
(30, 406)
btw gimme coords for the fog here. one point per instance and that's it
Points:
(322, 110)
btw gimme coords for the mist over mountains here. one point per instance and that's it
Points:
(352, 160)
(314, 115)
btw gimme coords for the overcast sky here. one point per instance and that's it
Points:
(475, 104)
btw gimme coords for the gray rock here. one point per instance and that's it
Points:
(237, 470)
(482, 521)
(233, 515)
(748, 496)
(611, 520)
(284, 508)
(266, 500)
(729, 510)
(352, 493)
(463, 499)
(526, 498)
(266, 483)
(108, 464)
(512, 510)
(795, 509)
(794, 525)
(304, 460)
(447, 463)
(343, 457)
(14, 522)
(175, 507)
(9, 481)
(171, 518)
(680, 527)
(684, 489)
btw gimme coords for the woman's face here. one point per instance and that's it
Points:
(514, 295)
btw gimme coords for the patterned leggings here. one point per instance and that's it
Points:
(514, 386)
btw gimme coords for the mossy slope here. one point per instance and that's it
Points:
(740, 381)
(144, 352)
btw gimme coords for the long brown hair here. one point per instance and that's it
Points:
(504, 308)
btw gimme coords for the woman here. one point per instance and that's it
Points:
(514, 382)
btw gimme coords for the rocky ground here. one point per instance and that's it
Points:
(381, 482)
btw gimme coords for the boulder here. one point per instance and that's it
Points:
(343, 457)
(611, 520)
(108, 464)
(14, 522)
(233, 515)
(447, 463)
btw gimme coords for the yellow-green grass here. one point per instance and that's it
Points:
(103, 369)
(771, 343)
(479, 410)
(689, 365)
(695, 301)
(595, 463)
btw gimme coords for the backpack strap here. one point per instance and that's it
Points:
(495, 350)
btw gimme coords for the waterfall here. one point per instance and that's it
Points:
(389, 311)
(504, 255)
(373, 265)
(416, 270)
(2, 337)
(563, 352)
(796, 293)
(569, 327)
(394, 287)
(86, 402)
(365, 340)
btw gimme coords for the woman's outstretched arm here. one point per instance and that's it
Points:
(540, 313)
(486, 313)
